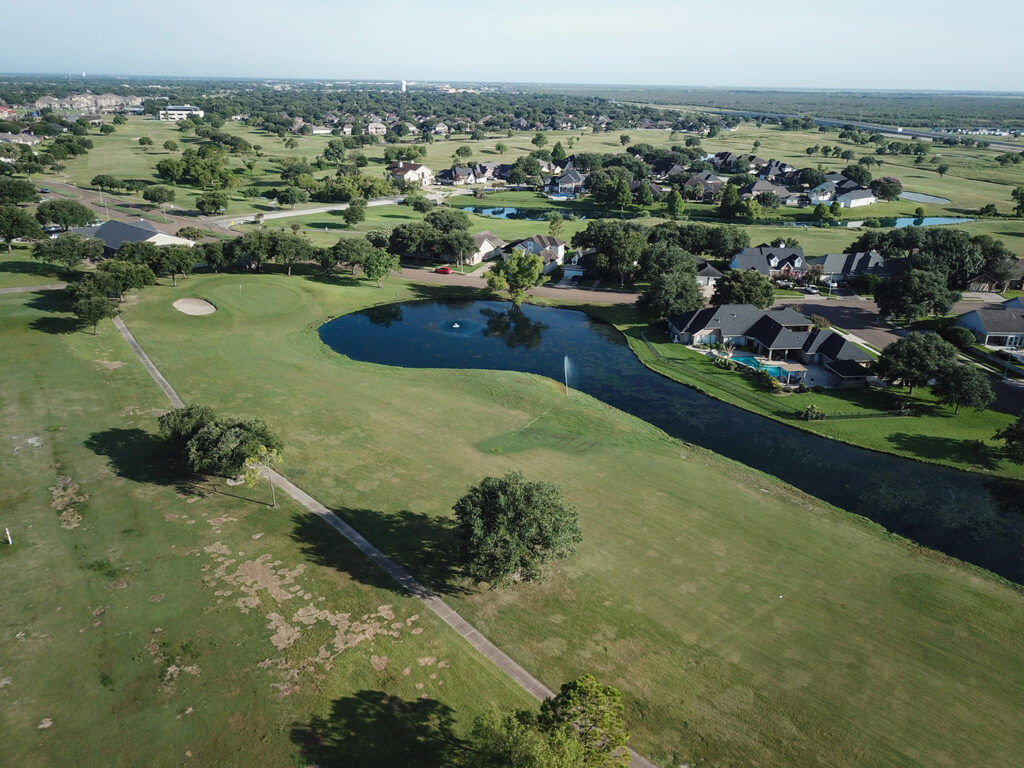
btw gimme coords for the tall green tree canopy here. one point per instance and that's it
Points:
(517, 274)
(510, 528)
(594, 714)
(743, 287)
(64, 213)
(914, 360)
(964, 385)
(68, 250)
(17, 224)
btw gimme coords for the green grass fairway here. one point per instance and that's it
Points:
(148, 622)
(747, 623)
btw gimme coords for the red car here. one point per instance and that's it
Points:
(443, 270)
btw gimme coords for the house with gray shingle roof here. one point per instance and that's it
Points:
(842, 267)
(772, 261)
(778, 334)
(999, 327)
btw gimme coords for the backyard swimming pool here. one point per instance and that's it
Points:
(752, 362)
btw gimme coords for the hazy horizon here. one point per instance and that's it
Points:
(649, 43)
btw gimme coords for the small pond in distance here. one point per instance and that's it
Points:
(969, 516)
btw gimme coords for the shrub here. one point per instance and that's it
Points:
(957, 335)
(812, 413)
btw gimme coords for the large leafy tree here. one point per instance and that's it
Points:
(673, 292)
(212, 202)
(743, 287)
(290, 249)
(225, 447)
(594, 715)
(914, 293)
(13, 191)
(510, 528)
(964, 385)
(517, 274)
(1012, 436)
(516, 740)
(90, 308)
(64, 213)
(377, 264)
(1017, 195)
(177, 259)
(914, 360)
(16, 224)
(122, 276)
(68, 250)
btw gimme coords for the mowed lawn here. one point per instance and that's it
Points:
(149, 622)
(746, 623)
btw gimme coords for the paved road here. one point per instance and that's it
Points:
(475, 638)
(33, 288)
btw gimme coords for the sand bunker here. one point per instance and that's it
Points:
(195, 306)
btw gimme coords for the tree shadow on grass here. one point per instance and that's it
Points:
(971, 452)
(425, 546)
(56, 325)
(56, 302)
(38, 268)
(138, 456)
(372, 729)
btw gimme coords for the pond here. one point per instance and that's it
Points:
(896, 222)
(921, 197)
(508, 212)
(969, 516)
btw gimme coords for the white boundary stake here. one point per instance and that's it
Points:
(8, 532)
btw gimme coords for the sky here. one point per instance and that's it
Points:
(858, 44)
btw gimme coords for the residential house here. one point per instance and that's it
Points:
(414, 174)
(772, 261)
(1002, 326)
(521, 124)
(756, 188)
(847, 192)
(569, 183)
(779, 334)
(488, 245)
(776, 171)
(579, 264)
(707, 275)
(114, 234)
(656, 190)
(20, 138)
(843, 267)
(177, 112)
(440, 129)
(550, 249)
(457, 176)
(346, 129)
(705, 184)
(376, 128)
(732, 160)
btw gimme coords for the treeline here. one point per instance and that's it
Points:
(885, 107)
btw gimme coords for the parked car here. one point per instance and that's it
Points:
(443, 270)
(784, 283)
(811, 289)
(45, 190)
